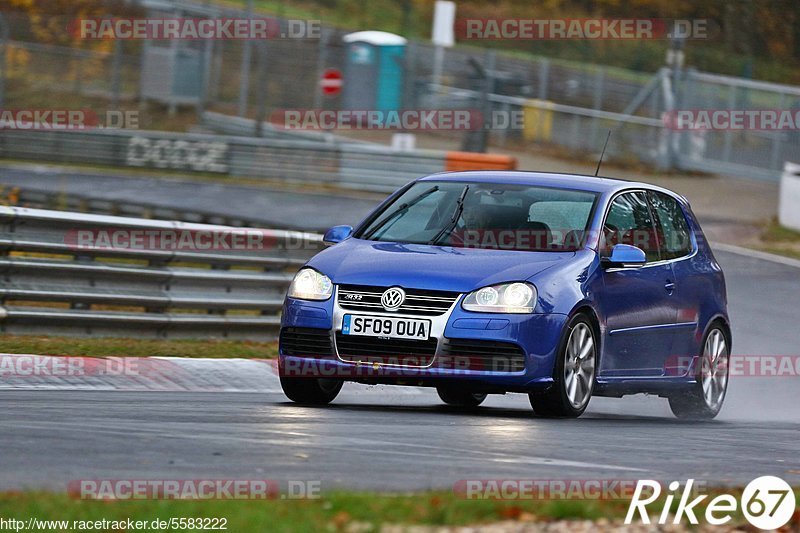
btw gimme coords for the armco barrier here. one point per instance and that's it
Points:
(246, 127)
(362, 166)
(56, 283)
(85, 203)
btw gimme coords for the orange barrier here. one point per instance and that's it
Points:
(476, 161)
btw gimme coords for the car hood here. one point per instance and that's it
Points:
(361, 262)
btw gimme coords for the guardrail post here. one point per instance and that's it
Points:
(544, 76)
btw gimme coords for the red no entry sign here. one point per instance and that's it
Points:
(331, 82)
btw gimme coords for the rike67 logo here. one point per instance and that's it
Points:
(767, 502)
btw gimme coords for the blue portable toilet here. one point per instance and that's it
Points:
(373, 73)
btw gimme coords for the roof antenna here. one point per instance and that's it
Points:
(597, 170)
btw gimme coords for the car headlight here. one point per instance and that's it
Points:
(515, 297)
(308, 284)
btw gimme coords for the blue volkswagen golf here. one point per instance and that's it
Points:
(562, 287)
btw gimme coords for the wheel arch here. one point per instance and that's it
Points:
(585, 308)
(725, 322)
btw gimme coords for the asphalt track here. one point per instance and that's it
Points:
(386, 438)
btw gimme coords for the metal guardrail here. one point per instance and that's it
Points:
(358, 166)
(246, 127)
(57, 282)
(21, 196)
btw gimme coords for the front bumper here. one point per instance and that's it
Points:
(536, 335)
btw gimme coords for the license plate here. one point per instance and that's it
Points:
(385, 326)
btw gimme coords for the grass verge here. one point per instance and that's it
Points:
(121, 347)
(779, 240)
(339, 511)
(335, 511)
(775, 233)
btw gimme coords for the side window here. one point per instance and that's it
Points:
(673, 230)
(629, 222)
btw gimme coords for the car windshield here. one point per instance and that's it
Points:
(484, 215)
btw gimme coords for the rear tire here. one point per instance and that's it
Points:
(311, 391)
(574, 373)
(704, 400)
(460, 397)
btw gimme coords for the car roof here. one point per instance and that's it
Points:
(545, 179)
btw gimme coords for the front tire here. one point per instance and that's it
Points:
(574, 374)
(460, 397)
(311, 391)
(704, 400)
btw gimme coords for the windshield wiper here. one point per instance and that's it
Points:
(400, 211)
(450, 226)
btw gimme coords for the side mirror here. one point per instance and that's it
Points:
(337, 234)
(625, 256)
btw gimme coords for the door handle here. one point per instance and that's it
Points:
(669, 286)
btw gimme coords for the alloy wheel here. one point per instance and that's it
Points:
(714, 369)
(579, 365)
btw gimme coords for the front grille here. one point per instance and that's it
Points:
(418, 301)
(306, 342)
(470, 354)
(403, 352)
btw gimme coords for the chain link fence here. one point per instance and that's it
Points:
(563, 104)
(746, 152)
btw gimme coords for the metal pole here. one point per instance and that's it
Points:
(410, 76)
(777, 140)
(3, 47)
(115, 73)
(244, 76)
(216, 70)
(322, 60)
(727, 146)
(597, 104)
(438, 61)
(261, 95)
(491, 61)
(173, 55)
(78, 86)
(205, 87)
(544, 74)
(477, 140)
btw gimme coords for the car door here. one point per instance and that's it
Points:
(639, 316)
(677, 244)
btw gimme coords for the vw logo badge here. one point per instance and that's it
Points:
(393, 298)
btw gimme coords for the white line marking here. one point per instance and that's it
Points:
(758, 254)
